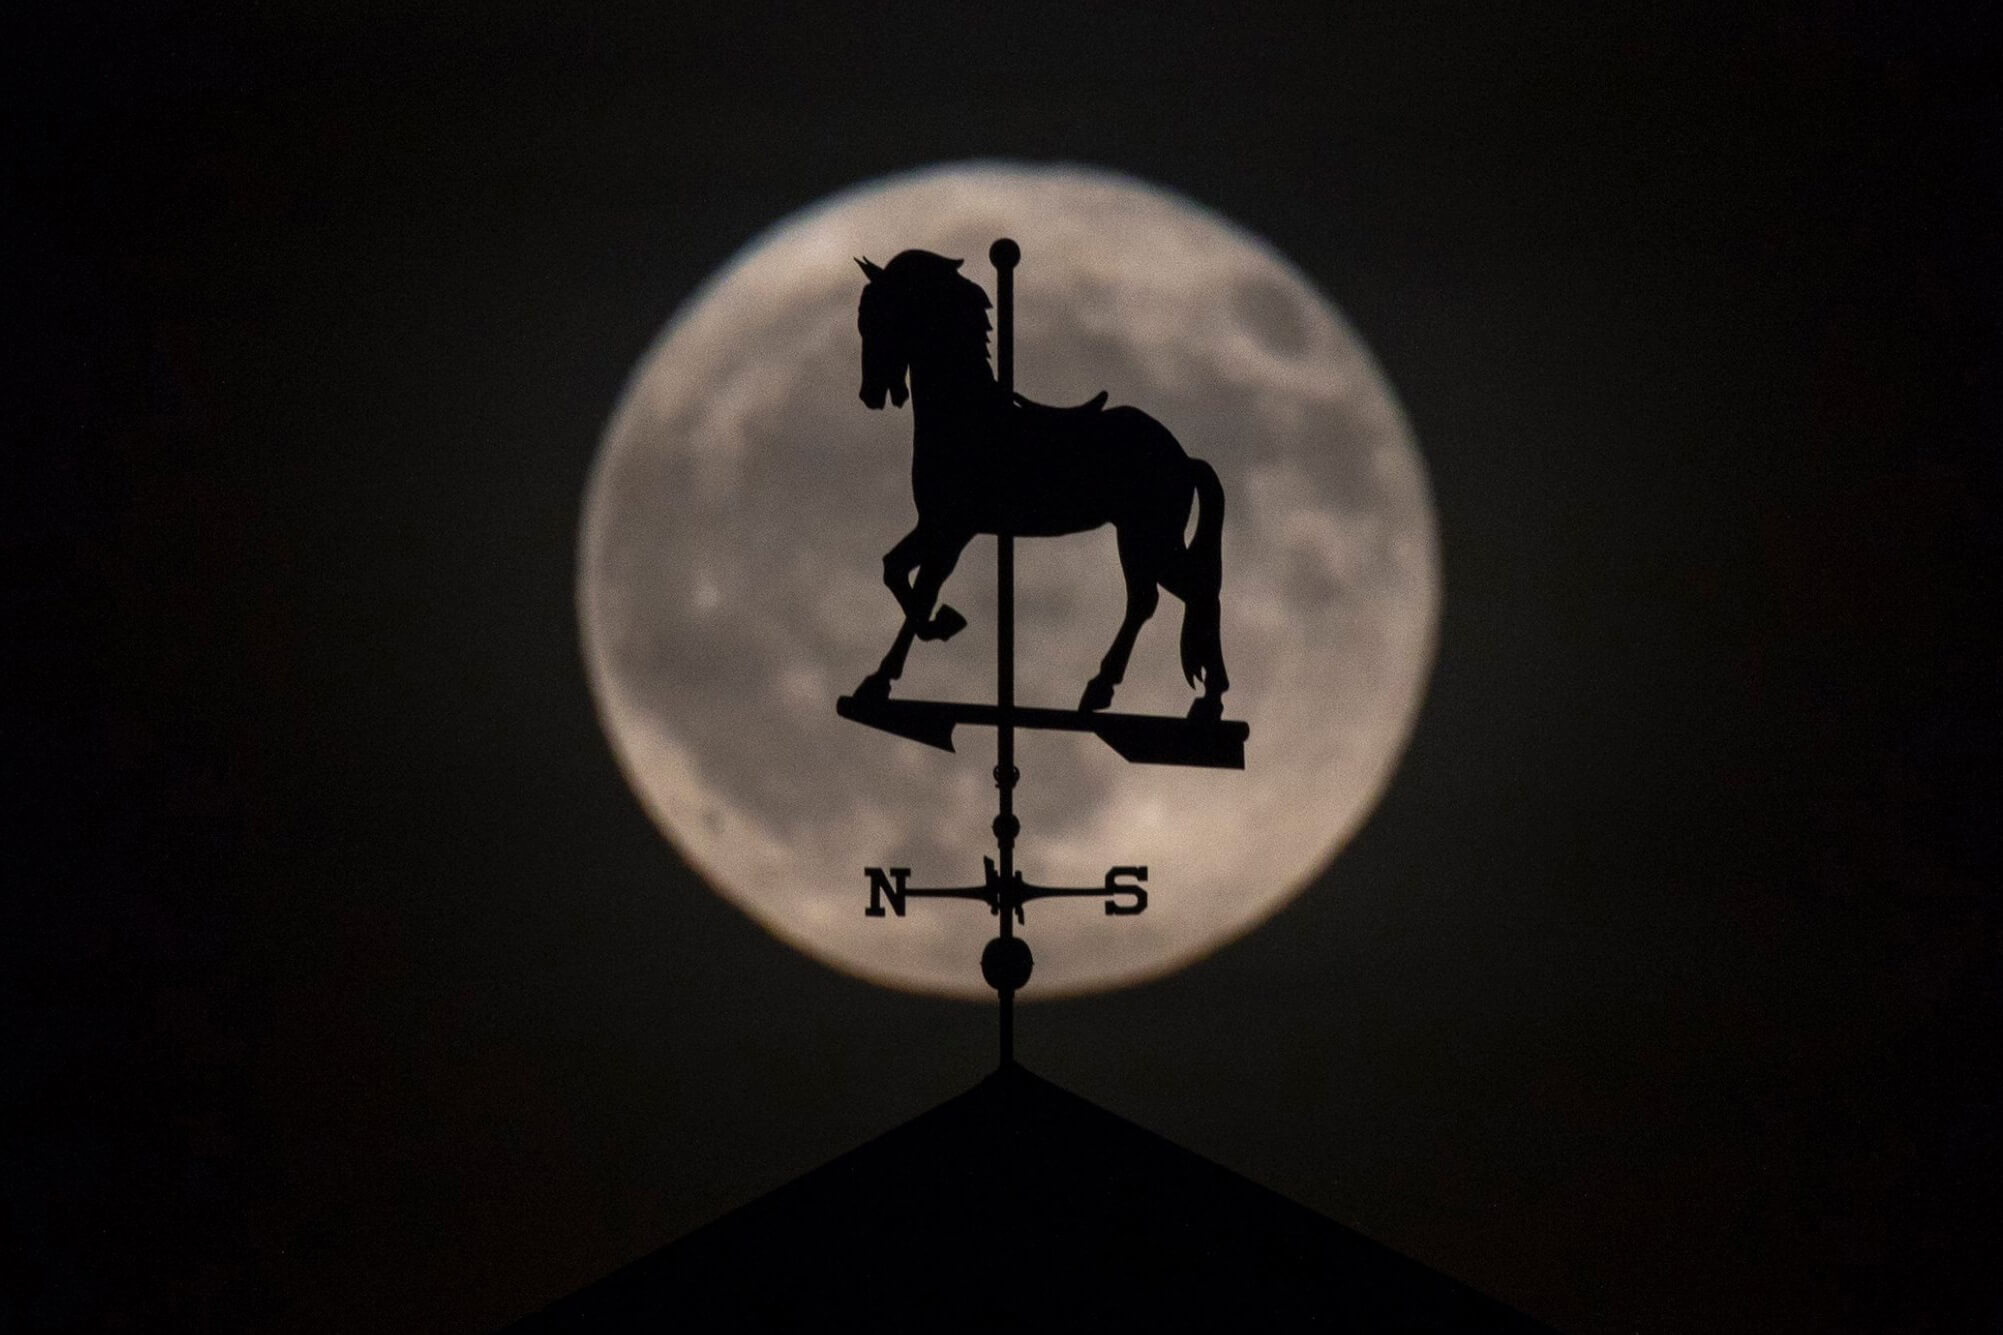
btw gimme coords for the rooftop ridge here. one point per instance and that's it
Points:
(1019, 1203)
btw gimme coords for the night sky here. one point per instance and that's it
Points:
(349, 986)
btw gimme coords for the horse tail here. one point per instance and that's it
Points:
(1202, 580)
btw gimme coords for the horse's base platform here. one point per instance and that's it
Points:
(1144, 739)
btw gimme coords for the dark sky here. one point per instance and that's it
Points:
(351, 987)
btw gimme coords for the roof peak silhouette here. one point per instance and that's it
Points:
(1019, 1204)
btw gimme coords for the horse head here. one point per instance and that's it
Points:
(918, 302)
(884, 359)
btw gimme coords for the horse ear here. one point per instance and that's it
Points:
(869, 271)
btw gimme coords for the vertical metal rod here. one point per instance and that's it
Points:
(1005, 255)
(1007, 996)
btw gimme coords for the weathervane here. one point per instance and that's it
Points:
(987, 460)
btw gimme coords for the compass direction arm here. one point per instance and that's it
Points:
(1122, 884)
(889, 886)
(1119, 881)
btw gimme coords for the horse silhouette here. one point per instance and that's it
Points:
(985, 463)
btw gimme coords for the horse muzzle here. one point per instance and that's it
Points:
(872, 395)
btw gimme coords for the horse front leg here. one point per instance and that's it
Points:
(898, 563)
(876, 686)
(935, 561)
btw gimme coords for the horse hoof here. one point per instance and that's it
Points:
(873, 688)
(1207, 709)
(1098, 695)
(945, 624)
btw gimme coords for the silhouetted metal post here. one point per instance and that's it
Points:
(1005, 255)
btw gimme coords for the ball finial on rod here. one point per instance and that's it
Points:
(1006, 963)
(1005, 254)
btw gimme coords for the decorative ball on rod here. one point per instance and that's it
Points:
(1006, 963)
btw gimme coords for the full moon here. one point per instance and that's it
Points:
(730, 585)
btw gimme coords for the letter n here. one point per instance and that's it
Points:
(881, 888)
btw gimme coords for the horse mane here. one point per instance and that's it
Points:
(949, 307)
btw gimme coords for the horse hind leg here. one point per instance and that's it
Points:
(1142, 599)
(1202, 644)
